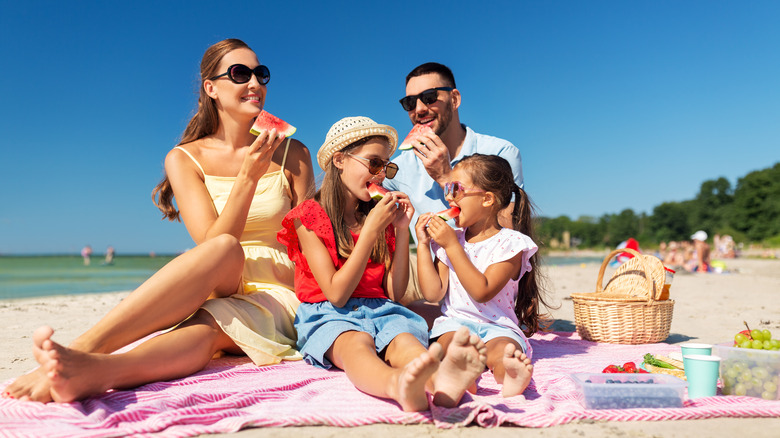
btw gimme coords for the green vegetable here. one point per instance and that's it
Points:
(650, 359)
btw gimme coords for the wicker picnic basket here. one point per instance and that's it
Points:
(628, 309)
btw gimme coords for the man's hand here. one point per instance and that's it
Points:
(435, 156)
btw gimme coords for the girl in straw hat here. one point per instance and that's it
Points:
(233, 292)
(351, 265)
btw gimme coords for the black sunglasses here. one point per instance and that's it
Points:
(427, 97)
(241, 74)
(376, 165)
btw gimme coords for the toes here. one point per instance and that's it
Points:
(42, 334)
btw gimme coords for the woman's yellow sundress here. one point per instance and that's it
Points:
(260, 318)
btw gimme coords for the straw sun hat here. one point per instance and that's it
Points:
(349, 130)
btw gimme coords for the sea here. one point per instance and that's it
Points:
(36, 276)
(45, 275)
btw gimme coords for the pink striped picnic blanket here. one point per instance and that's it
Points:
(232, 394)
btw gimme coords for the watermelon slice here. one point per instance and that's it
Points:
(450, 213)
(265, 121)
(376, 191)
(409, 142)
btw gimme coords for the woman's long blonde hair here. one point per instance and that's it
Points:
(331, 197)
(205, 122)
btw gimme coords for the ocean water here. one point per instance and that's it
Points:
(35, 276)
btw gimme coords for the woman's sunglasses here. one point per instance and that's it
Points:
(458, 190)
(241, 74)
(376, 165)
(427, 97)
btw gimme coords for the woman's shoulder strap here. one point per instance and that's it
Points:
(192, 158)
(286, 149)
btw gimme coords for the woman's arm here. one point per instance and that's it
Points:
(194, 202)
(299, 172)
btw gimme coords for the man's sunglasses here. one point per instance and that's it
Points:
(458, 190)
(241, 74)
(427, 97)
(376, 165)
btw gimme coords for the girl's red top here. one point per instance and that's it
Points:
(314, 218)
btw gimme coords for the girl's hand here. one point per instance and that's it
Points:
(441, 233)
(383, 214)
(261, 152)
(420, 228)
(405, 211)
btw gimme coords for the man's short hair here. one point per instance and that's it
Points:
(433, 67)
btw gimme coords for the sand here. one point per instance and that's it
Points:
(709, 308)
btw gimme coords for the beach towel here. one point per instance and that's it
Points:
(231, 394)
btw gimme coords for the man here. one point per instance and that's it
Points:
(433, 99)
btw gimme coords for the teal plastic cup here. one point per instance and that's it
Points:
(692, 348)
(702, 374)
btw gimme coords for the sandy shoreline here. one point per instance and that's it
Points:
(709, 308)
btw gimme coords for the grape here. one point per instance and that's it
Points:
(758, 345)
(775, 344)
(740, 338)
(766, 395)
(757, 335)
(740, 389)
(766, 334)
(746, 344)
(770, 386)
(760, 372)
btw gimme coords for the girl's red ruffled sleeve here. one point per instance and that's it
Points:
(314, 218)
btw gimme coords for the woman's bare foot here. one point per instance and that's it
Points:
(73, 375)
(518, 371)
(34, 386)
(464, 362)
(413, 377)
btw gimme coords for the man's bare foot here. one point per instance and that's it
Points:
(72, 374)
(464, 362)
(518, 371)
(413, 377)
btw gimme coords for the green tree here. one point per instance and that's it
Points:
(669, 221)
(756, 207)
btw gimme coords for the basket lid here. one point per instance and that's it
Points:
(640, 278)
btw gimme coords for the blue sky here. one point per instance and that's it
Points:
(613, 104)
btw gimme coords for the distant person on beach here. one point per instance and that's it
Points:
(351, 258)
(233, 292)
(485, 273)
(433, 99)
(109, 256)
(86, 254)
(700, 260)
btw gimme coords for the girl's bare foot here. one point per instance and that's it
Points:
(464, 362)
(413, 377)
(518, 371)
(72, 374)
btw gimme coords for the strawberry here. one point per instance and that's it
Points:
(629, 367)
(612, 369)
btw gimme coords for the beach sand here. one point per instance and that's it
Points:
(709, 308)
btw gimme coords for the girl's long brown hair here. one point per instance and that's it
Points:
(205, 122)
(331, 197)
(492, 173)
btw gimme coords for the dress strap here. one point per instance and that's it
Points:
(193, 158)
(286, 148)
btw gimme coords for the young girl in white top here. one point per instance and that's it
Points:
(485, 273)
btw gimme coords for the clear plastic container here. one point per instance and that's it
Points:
(628, 390)
(750, 372)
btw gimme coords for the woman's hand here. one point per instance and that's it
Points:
(441, 233)
(421, 229)
(260, 153)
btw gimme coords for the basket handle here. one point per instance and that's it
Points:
(600, 279)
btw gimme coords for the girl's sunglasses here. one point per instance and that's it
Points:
(376, 165)
(427, 97)
(458, 190)
(241, 74)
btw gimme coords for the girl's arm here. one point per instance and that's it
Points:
(397, 277)
(481, 287)
(338, 284)
(433, 281)
(194, 202)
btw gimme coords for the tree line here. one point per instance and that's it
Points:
(749, 212)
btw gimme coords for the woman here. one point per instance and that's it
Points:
(230, 187)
